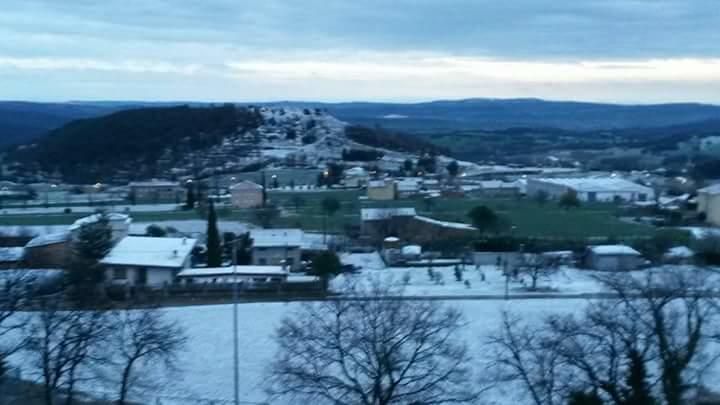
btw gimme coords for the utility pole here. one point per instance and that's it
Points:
(236, 365)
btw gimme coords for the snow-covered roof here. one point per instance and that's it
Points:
(356, 171)
(495, 184)
(150, 252)
(712, 189)
(112, 217)
(154, 183)
(11, 254)
(598, 184)
(445, 224)
(47, 239)
(614, 250)
(373, 214)
(246, 185)
(680, 252)
(379, 183)
(410, 250)
(277, 237)
(411, 184)
(231, 270)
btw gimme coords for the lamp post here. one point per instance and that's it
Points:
(236, 365)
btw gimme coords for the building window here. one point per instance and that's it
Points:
(119, 274)
(262, 261)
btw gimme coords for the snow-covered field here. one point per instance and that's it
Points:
(482, 280)
(206, 368)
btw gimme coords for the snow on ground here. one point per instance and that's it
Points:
(364, 261)
(483, 280)
(419, 283)
(700, 232)
(207, 368)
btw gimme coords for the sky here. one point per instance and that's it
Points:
(626, 51)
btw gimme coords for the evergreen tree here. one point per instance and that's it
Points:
(453, 168)
(263, 183)
(326, 265)
(408, 165)
(330, 206)
(637, 391)
(584, 398)
(85, 273)
(484, 218)
(214, 252)
(244, 249)
(190, 197)
(569, 200)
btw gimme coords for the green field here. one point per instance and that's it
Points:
(527, 217)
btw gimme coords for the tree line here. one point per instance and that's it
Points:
(655, 343)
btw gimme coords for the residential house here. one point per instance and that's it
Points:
(679, 255)
(381, 190)
(146, 261)
(613, 258)
(119, 225)
(408, 187)
(11, 257)
(277, 247)
(591, 189)
(404, 223)
(708, 203)
(355, 177)
(50, 250)
(156, 191)
(53, 250)
(241, 274)
(246, 194)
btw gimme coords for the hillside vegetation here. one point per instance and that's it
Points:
(90, 150)
(22, 122)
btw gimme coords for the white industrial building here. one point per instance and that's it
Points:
(591, 189)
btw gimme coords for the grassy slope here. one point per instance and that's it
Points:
(528, 217)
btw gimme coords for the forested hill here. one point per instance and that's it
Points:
(93, 149)
(22, 122)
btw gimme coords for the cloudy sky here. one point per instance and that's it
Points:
(630, 51)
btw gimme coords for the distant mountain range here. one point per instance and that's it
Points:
(493, 114)
(21, 122)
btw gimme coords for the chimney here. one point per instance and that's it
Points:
(175, 253)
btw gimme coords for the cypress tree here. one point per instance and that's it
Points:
(638, 391)
(190, 197)
(214, 251)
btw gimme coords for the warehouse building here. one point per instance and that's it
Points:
(591, 189)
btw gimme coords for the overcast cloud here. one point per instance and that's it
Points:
(400, 50)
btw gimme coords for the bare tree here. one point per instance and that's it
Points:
(651, 344)
(13, 294)
(535, 266)
(527, 355)
(140, 338)
(64, 346)
(372, 350)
